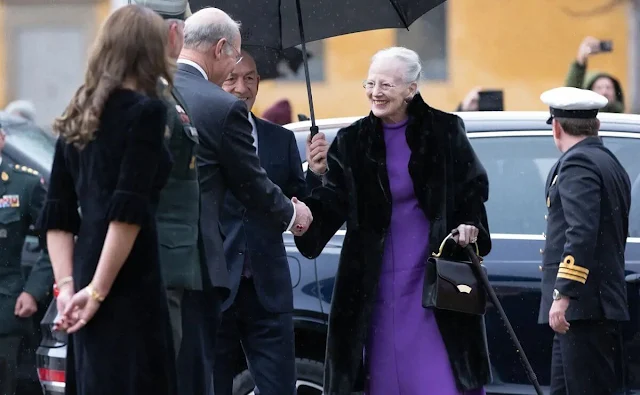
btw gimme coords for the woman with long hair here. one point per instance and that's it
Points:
(110, 162)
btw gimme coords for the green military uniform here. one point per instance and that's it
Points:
(21, 198)
(179, 212)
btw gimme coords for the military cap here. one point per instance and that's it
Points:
(568, 102)
(168, 9)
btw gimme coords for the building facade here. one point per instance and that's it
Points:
(520, 46)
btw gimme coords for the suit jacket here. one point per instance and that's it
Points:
(22, 199)
(226, 160)
(588, 196)
(248, 237)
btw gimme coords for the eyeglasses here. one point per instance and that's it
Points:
(237, 53)
(384, 86)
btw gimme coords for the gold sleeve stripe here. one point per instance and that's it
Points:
(573, 273)
(569, 263)
(576, 268)
(572, 277)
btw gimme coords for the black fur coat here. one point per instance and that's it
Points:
(451, 186)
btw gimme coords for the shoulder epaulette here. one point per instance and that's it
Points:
(26, 169)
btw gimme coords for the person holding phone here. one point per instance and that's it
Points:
(599, 82)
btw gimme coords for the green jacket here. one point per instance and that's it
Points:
(578, 77)
(179, 207)
(21, 199)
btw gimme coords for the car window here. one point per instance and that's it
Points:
(518, 166)
(32, 142)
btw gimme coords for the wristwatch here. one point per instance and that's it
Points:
(556, 295)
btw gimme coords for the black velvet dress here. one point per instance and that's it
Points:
(126, 349)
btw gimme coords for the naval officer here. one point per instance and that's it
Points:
(583, 287)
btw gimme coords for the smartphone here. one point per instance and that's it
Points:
(606, 46)
(491, 100)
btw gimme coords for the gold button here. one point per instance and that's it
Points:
(546, 217)
(540, 268)
(541, 251)
(548, 202)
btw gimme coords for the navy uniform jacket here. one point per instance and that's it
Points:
(588, 196)
(247, 233)
(21, 199)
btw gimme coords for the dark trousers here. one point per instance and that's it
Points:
(587, 359)
(200, 322)
(9, 346)
(267, 340)
(174, 302)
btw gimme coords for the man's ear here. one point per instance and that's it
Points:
(219, 48)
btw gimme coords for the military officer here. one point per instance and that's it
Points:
(583, 287)
(21, 197)
(179, 209)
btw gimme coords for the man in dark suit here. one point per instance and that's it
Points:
(588, 195)
(258, 313)
(21, 197)
(226, 160)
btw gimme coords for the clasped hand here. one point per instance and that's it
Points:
(75, 310)
(303, 220)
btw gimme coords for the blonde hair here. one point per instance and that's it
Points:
(131, 46)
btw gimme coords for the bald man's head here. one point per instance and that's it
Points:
(213, 38)
(206, 27)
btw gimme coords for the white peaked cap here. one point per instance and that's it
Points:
(568, 102)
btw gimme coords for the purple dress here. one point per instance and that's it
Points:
(405, 354)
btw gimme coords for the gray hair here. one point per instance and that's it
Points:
(200, 33)
(22, 108)
(409, 58)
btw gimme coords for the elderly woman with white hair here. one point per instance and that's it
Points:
(402, 178)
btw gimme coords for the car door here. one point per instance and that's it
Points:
(517, 163)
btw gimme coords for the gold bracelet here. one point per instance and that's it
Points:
(94, 294)
(64, 281)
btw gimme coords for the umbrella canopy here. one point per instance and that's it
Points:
(270, 60)
(284, 24)
(275, 23)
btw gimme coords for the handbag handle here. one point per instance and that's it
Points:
(453, 233)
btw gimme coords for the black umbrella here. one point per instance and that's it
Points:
(270, 60)
(283, 24)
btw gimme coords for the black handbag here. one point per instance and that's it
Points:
(454, 285)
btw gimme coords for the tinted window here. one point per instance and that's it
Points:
(518, 169)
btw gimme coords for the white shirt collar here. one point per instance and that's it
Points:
(254, 130)
(195, 66)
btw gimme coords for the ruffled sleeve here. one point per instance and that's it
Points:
(142, 153)
(60, 211)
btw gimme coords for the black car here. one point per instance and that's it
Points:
(517, 150)
(28, 145)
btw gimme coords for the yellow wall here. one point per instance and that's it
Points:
(103, 9)
(521, 46)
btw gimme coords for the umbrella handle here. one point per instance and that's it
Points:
(475, 260)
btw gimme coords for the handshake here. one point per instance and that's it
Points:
(303, 219)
